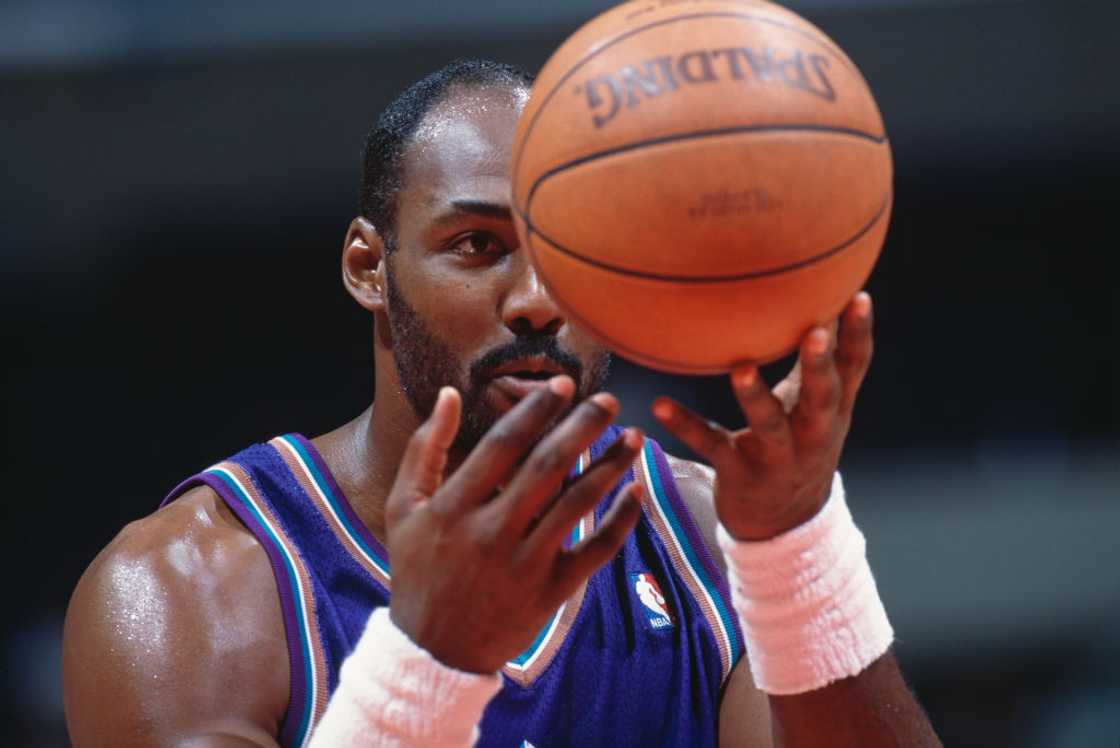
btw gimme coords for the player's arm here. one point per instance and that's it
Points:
(774, 489)
(174, 636)
(745, 711)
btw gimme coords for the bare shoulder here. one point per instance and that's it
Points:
(175, 632)
(695, 473)
(695, 482)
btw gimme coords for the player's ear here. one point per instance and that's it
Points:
(363, 265)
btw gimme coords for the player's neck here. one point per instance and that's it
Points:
(363, 456)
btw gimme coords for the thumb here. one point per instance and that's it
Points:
(425, 458)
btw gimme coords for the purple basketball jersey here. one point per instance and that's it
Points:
(637, 656)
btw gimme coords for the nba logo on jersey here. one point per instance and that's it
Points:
(653, 602)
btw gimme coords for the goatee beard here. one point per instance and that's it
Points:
(425, 364)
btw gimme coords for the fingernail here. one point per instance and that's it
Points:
(818, 346)
(745, 377)
(604, 400)
(662, 409)
(864, 301)
(632, 438)
(562, 385)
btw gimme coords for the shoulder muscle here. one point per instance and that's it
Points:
(174, 634)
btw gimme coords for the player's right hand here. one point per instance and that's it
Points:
(478, 559)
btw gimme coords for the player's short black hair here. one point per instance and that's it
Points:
(390, 136)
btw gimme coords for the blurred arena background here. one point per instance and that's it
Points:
(178, 178)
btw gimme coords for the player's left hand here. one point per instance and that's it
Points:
(777, 473)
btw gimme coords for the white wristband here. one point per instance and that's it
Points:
(393, 693)
(807, 602)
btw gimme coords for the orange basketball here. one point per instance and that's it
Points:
(699, 182)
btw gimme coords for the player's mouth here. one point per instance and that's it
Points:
(518, 379)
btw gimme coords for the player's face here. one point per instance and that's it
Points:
(466, 307)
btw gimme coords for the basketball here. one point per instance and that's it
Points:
(699, 182)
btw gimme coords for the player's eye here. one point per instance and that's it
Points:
(479, 244)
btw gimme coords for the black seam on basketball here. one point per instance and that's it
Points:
(617, 345)
(699, 279)
(696, 135)
(824, 41)
(627, 351)
(614, 343)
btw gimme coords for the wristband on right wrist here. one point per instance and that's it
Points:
(807, 602)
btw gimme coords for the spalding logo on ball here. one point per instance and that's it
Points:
(699, 182)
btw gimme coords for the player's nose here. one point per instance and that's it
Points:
(528, 308)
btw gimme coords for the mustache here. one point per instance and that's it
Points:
(526, 346)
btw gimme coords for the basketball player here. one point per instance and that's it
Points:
(518, 529)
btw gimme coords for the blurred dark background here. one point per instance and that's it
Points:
(178, 179)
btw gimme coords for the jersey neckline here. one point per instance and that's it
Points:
(310, 470)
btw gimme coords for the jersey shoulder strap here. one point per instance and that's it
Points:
(692, 561)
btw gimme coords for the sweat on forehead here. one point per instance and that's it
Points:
(470, 85)
(462, 108)
(466, 136)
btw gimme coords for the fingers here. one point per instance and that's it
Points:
(425, 456)
(766, 414)
(706, 438)
(586, 492)
(503, 446)
(854, 349)
(540, 477)
(819, 398)
(577, 564)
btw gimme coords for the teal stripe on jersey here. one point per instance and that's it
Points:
(575, 537)
(527, 655)
(336, 505)
(297, 598)
(576, 534)
(690, 554)
(521, 659)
